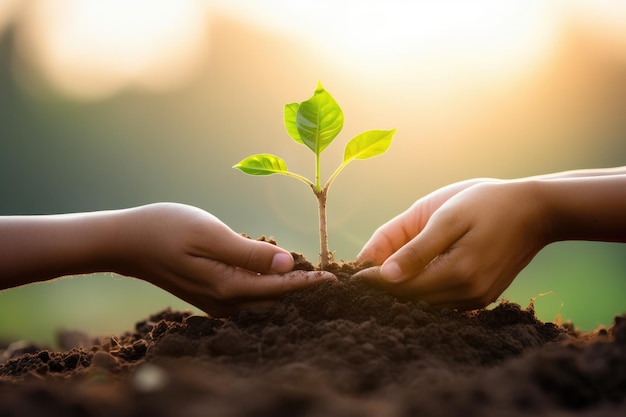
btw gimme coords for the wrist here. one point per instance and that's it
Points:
(541, 215)
(549, 217)
(585, 208)
(113, 240)
(100, 241)
(101, 234)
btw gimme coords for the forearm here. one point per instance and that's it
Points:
(38, 248)
(585, 208)
(580, 173)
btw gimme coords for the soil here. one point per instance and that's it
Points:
(341, 349)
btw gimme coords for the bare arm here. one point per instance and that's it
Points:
(179, 248)
(578, 173)
(38, 248)
(585, 208)
(462, 245)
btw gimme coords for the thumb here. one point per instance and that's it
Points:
(391, 236)
(442, 230)
(254, 255)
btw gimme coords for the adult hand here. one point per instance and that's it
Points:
(460, 246)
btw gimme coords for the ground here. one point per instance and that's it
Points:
(341, 349)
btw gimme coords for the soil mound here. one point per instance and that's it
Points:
(341, 349)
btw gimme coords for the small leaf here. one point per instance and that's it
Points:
(319, 120)
(262, 164)
(368, 144)
(290, 112)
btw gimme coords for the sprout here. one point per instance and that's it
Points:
(315, 123)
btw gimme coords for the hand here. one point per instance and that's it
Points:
(179, 248)
(196, 257)
(398, 231)
(460, 246)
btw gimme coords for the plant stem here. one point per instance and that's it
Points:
(325, 255)
(318, 182)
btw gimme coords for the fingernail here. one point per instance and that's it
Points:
(282, 262)
(391, 271)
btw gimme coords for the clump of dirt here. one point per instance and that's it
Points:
(340, 349)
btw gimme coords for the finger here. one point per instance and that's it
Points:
(437, 296)
(391, 236)
(218, 288)
(245, 285)
(440, 233)
(253, 255)
(371, 274)
(456, 281)
(450, 281)
(415, 288)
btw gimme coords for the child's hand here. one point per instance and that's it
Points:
(196, 257)
(394, 234)
(179, 248)
(460, 246)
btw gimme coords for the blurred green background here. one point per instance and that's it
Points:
(114, 104)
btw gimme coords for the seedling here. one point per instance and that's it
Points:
(315, 123)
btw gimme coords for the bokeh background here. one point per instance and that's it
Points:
(114, 104)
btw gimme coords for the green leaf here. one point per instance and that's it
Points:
(368, 144)
(319, 120)
(290, 112)
(262, 164)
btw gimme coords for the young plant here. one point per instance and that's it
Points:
(315, 123)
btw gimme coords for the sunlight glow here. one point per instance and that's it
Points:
(605, 21)
(8, 8)
(93, 48)
(442, 38)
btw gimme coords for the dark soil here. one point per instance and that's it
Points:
(341, 349)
